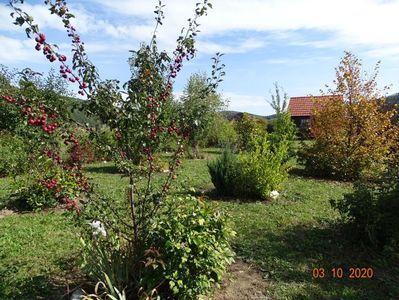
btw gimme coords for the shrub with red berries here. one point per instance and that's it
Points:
(43, 122)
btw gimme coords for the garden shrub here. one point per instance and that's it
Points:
(262, 170)
(106, 257)
(187, 250)
(224, 172)
(13, 155)
(190, 249)
(45, 186)
(253, 173)
(284, 132)
(9, 117)
(246, 128)
(93, 143)
(283, 128)
(372, 209)
(353, 134)
(222, 133)
(104, 140)
(33, 197)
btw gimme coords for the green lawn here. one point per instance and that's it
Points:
(285, 239)
(37, 255)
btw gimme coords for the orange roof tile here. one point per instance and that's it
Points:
(303, 106)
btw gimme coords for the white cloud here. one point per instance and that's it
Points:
(356, 22)
(298, 60)
(347, 23)
(382, 52)
(240, 47)
(13, 50)
(40, 14)
(6, 20)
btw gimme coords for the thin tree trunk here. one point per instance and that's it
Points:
(196, 150)
(133, 208)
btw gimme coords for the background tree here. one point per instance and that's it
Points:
(198, 108)
(284, 128)
(10, 117)
(247, 128)
(221, 132)
(353, 136)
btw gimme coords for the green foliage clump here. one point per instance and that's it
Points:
(254, 173)
(372, 209)
(10, 116)
(44, 184)
(191, 249)
(13, 155)
(221, 133)
(246, 128)
(283, 128)
(263, 169)
(264, 160)
(96, 144)
(198, 109)
(106, 258)
(186, 252)
(224, 172)
(33, 197)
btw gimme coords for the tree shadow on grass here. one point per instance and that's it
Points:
(287, 259)
(44, 286)
(105, 169)
(301, 172)
(214, 195)
(14, 203)
(37, 287)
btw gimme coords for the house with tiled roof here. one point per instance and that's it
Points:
(301, 108)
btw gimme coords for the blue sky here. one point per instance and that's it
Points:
(296, 43)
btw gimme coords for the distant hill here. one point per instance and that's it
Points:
(393, 99)
(236, 115)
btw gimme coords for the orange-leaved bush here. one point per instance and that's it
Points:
(353, 130)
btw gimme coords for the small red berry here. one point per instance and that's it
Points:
(42, 38)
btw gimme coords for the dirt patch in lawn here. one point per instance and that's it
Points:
(5, 212)
(242, 281)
